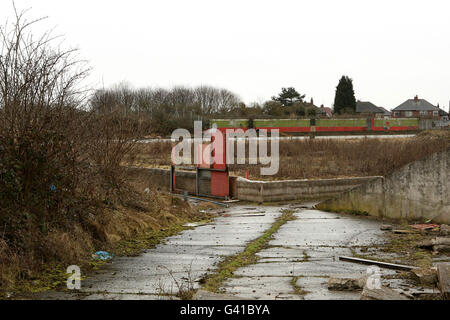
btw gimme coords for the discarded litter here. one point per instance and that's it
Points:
(427, 226)
(102, 255)
(194, 224)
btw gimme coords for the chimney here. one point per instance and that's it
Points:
(312, 101)
(416, 98)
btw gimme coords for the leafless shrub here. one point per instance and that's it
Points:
(183, 288)
(59, 162)
(39, 119)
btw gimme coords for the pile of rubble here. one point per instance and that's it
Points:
(440, 243)
(372, 289)
(433, 281)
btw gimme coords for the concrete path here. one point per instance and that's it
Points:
(190, 254)
(303, 251)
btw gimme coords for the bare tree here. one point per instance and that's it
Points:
(36, 78)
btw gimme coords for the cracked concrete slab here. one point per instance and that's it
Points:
(192, 253)
(308, 249)
(298, 259)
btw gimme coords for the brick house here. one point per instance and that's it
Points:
(416, 108)
(325, 111)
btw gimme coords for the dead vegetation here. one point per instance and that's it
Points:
(183, 289)
(406, 247)
(325, 158)
(63, 192)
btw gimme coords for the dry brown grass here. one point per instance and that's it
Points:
(123, 229)
(325, 158)
(63, 191)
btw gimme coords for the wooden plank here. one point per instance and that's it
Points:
(443, 270)
(378, 263)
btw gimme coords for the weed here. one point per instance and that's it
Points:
(184, 286)
(297, 289)
(230, 264)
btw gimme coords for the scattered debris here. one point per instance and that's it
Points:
(184, 196)
(426, 276)
(439, 244)
(378, 263)
(231, 201)
(147, 190)
(427, 226)
(102, 255)
(404, 231)
(386, 227)
(352, 282)
(443, 271)
(423, 293)
(382, 293)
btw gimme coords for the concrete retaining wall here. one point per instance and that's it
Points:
(270, 191)
(160, 178)
(420, 190)
(259, 191)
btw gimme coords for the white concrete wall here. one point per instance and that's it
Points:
(418, 191)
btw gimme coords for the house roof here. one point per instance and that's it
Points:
(416, 105)
(443, 112)
(326, 110)
(367, 107)
(386, 112)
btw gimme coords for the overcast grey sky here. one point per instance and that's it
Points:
(392, 49)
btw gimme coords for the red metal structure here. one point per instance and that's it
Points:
(212, 175)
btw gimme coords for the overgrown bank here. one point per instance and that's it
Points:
(121, 229)
(63, 192)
